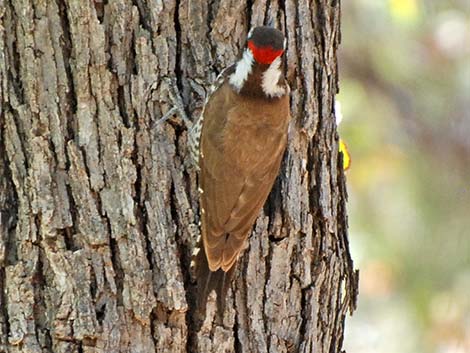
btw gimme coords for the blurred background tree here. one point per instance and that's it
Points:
(405, 97)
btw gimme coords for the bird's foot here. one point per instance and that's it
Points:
(178, 106)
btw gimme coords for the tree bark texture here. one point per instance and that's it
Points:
(99, 211)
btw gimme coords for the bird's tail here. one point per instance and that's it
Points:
(208, 280)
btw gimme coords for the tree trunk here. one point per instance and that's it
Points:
(98, 210)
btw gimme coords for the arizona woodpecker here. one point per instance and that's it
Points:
(238, 144)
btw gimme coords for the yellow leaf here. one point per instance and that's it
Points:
(404, 9)
(346, 156)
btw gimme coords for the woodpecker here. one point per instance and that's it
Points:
(238, 144)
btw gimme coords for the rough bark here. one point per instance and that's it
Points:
(98, 210)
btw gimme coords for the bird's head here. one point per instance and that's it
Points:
(258, 72)
(266, 44)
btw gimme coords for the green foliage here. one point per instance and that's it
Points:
(405, 97)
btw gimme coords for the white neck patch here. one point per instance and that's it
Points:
(242, 70)
(271, 78)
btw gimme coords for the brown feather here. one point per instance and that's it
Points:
(242, 143)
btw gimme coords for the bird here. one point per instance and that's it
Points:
(238, 145)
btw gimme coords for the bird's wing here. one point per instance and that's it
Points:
(195, 132)
(235, 184)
